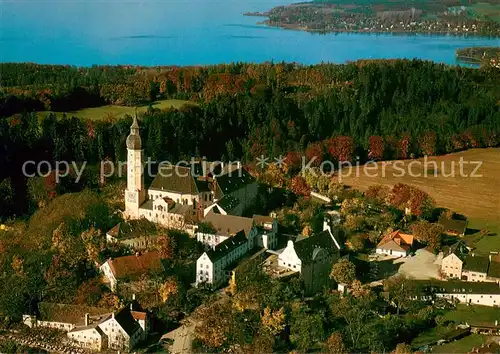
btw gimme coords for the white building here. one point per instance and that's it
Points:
(180, 195)
(474, 293)
(396, 244)
(98, 329)
(214, 266)
(227, 238)
(312, 257)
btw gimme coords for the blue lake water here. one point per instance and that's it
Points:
(189, 32)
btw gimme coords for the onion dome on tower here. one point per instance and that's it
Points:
(134, 139)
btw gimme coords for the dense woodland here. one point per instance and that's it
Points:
(371, 109)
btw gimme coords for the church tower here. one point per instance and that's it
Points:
(135, 194)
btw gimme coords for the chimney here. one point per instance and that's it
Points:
(204, 166)
(86, 319)
(496, 322)
(132, 306)
(137, 254)
(112, 315)
(133, 297)
(239, 165)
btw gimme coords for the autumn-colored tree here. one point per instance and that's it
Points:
(378, 193)
(361, 291)
(274, 176)
(343, 271)
(167, 247)
(335, 344)
(428, 143)
(354, 222)
(403, 148)
(293, 160)
(341, 148)
(89, 292)
(18, 266)
(299, 186)
(214, 323)
(428, 233)
(110, 300)
(315, 154)
(403, 348)
(375, 147)
(273, 321)
(168, 288)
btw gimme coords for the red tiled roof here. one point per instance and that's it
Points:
(138, 315)
(135, 265)
(405, 241)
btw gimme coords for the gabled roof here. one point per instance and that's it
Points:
(306, 247)
(453, 225)
(226, 246)
(91, 326)
(177, 179)
(476, 264)
(228, 203)
(263, 222)
(460, 287)
(126, 320)
(64, 313)
(135, 265)
(494, 270)
(229, 224)
(132, 229)
(397, 241)
(233, 181)
(459, 249)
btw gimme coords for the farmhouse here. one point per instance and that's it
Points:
(129, 268)
(181, 195)
(453, 227)
(135, 234)
(453, 260)
(475, 268)
(62, 316)
(478, 293)
(396, 244)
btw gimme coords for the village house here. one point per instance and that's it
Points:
(220, 227)
(476, 293)
(459, 263)
(475, 268)
(453, 260)
(129, 268)
(134, 234)
(94, 328)
(61, 316)
(312, 257)
(396, 244)
(261, 231)
(181, 195)
(453, 227)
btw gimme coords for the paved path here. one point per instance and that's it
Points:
(423, 265)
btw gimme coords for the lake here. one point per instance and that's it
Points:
(190, 32)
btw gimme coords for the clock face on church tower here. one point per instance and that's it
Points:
(131, 197)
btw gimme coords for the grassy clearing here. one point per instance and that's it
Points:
(102, 112)
(463, 345)
(476, 197)
(471, 314)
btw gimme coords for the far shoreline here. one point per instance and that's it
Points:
(298, 28)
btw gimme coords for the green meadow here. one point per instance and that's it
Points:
(96, 113)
